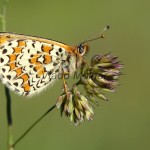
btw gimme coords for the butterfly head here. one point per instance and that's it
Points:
(83, 48)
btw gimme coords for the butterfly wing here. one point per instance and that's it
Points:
(29, 64)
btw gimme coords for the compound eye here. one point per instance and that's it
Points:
(82, 49)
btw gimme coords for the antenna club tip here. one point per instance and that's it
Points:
(108, 27)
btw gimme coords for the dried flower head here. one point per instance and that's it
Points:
(75, 106)
(100, 75)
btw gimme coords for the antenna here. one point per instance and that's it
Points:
(97, 36)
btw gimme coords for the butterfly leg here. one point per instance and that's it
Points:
(65, 83)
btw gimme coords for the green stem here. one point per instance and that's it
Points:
(9, 119)
(3, 16)
(33, 125)
(8, 98)
(4, 19)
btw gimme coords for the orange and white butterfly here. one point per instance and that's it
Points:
(28, 63)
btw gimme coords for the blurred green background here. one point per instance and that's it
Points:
(122, 123)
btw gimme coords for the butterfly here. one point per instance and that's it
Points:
(28, 64)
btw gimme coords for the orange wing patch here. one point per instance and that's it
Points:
(21, 43)
(25, 77)
(12, 57)
(26, 87)
(46, 48)
(3, 39)
(39, 69)
(12, 65)
(17, 49)
(47, 59)
(34, 60)
(41, 72)
(18, 71)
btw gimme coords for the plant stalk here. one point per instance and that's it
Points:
(8, 97)
(33, 125)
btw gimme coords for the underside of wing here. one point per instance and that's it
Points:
(28, 65)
